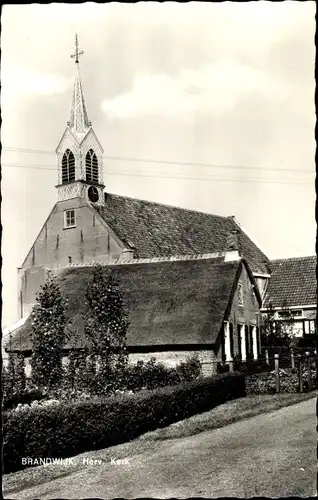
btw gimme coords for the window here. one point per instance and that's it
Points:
(68, 167)
(240, 294)
(69, 218)
(309, 327)
(290, 313)
(91, 165)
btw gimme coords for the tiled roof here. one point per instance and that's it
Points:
(169, 303)
(157, 230)
(293, 282)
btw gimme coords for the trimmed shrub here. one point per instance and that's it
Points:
(68, 429)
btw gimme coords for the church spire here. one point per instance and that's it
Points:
(78, 121)
(79, 152)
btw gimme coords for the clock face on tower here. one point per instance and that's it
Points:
(93, 194)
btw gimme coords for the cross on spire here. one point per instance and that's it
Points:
(77, 53)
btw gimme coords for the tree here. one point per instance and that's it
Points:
(10, 374)
(278, 332)
(20, 382)
(91, 369)
(106, 327)
(48, 337)
(70, 371)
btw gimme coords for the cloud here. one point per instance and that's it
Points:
(212, 87)
(19, 81)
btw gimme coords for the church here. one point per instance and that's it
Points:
(193, 282)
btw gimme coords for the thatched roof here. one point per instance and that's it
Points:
(157, 230)
(169, 303)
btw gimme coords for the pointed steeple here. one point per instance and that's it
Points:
(78, 121)
(79, 152)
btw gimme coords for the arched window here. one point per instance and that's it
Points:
(68, 167)
(91, 164)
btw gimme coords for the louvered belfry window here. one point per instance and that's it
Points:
(68, 167)
(91, 164)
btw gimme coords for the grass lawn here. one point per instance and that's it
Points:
(225, 414)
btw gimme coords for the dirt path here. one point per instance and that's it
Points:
(270, 455)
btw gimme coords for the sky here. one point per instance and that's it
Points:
(217, 99)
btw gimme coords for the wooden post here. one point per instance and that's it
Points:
(267, 357)
(276, 356)
(308, 363)
(300, 373)
(292, 359)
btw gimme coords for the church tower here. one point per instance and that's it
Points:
(79, 153)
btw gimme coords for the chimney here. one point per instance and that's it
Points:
(127, 254)
(232, 246)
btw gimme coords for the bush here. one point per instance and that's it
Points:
(264, 383)
(308, 341)
(68, 429)
(25, 397)
(152, 375)
(251, 366)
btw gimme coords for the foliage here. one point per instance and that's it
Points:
(308, 341)
(20, 378)
(278, 332)
(105, 329)
(250, 365)
(70, 371)
(265, 383)
(190, 369)
(71, 428)
(48, 323)
(151, 375)
(26, 397)
(9, 374)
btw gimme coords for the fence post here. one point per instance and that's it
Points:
(277, 381)
(292, 359)
(300, 373)
(267, 357)
(308, 363)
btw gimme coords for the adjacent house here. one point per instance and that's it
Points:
(292, 289)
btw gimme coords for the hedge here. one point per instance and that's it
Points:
(67, 429)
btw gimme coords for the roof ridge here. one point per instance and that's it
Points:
(294, 258)
(173, 258)
(167, 205)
